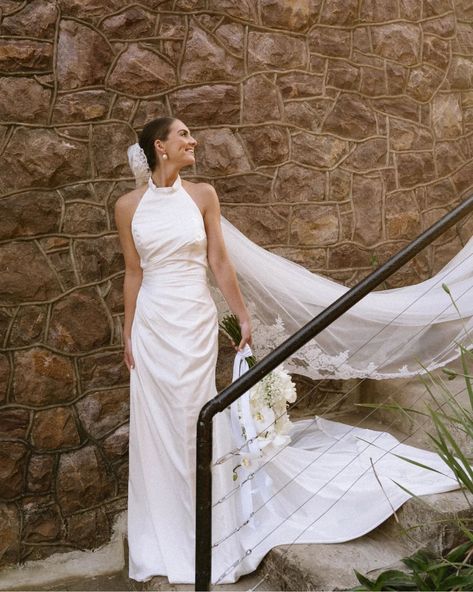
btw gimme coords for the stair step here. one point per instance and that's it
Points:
(429, 522)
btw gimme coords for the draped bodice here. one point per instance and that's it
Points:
(169, 234)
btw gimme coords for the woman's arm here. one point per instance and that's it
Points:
(221, 265)
(124, 209)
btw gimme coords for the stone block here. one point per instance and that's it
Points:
(38, 157)
(339, 185)
(79, 322)
(321, 151)
(343, 75)
(442, 26)
(349, 255)
(102, 370)
(368, 155)
(402, 216)
(314, 225)
(102, 411)
(26, 276)
(110, 142)
(54, 429)
(209, 104)
(245, 10)
(42, 377)
(415, 168)
(115, 446)
(399, 42)
(449, 157)
(262, 224)
(42, 525)
(220, 152)
(296, 16)
(231, 34)
(5, 368)
(260, 100)
(300, 84)
(37, 15)
(206, 60)
(330, 41)
(130, 23)
(82, 480)
(339, 12)
(266, 145)
(25, 55)
(367, 197)
(23, 100)
(97, 258)
(29, 213)
(13, 462)
(404, 108)
(14, 423)
(424, 81)
(309, 114)
(405, 135)
(83, 218)
(145, 70)
(88, 529)
(85, 105)
(40, 473)
(295, 183)
(447, 116)
(275, 51)
(373, 81)
(351, 118)
(84, 55)
(10, 521)
(245, 188)
(314, 259)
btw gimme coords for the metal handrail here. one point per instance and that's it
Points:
(203, 524)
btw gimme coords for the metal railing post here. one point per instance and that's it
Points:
(203, 538)
(203, 517)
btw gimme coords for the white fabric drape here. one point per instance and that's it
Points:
(386, 335)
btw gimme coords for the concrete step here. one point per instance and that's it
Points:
(105, 569)
(430, 522)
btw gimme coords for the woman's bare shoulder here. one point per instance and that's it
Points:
(203, 190)
(127, 203)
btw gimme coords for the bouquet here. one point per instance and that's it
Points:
(262, 417)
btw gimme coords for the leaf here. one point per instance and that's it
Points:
(366, 582)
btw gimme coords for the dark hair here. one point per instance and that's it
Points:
(157, 129)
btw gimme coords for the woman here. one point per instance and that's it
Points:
(171, 232)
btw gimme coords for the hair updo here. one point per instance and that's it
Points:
(157, 129)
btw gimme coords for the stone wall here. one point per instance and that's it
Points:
(334, 132)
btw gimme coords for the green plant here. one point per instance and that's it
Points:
(427, 572)
(455, 570)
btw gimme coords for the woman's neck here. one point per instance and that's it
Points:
(164, 178)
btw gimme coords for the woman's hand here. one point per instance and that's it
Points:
(246, 337)
(128, 355)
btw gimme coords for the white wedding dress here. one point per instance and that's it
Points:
(321, 488)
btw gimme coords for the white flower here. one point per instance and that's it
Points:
(264, 420)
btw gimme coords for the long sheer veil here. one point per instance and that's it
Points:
(389, 334)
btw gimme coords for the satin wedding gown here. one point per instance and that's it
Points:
(322, 488)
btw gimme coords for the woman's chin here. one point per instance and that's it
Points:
(188, 161)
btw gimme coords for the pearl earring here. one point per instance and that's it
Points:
(165, 156)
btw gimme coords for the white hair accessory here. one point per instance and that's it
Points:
(138, 164)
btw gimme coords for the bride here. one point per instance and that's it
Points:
(181, 257)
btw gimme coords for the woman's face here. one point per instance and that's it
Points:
(179, 145)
